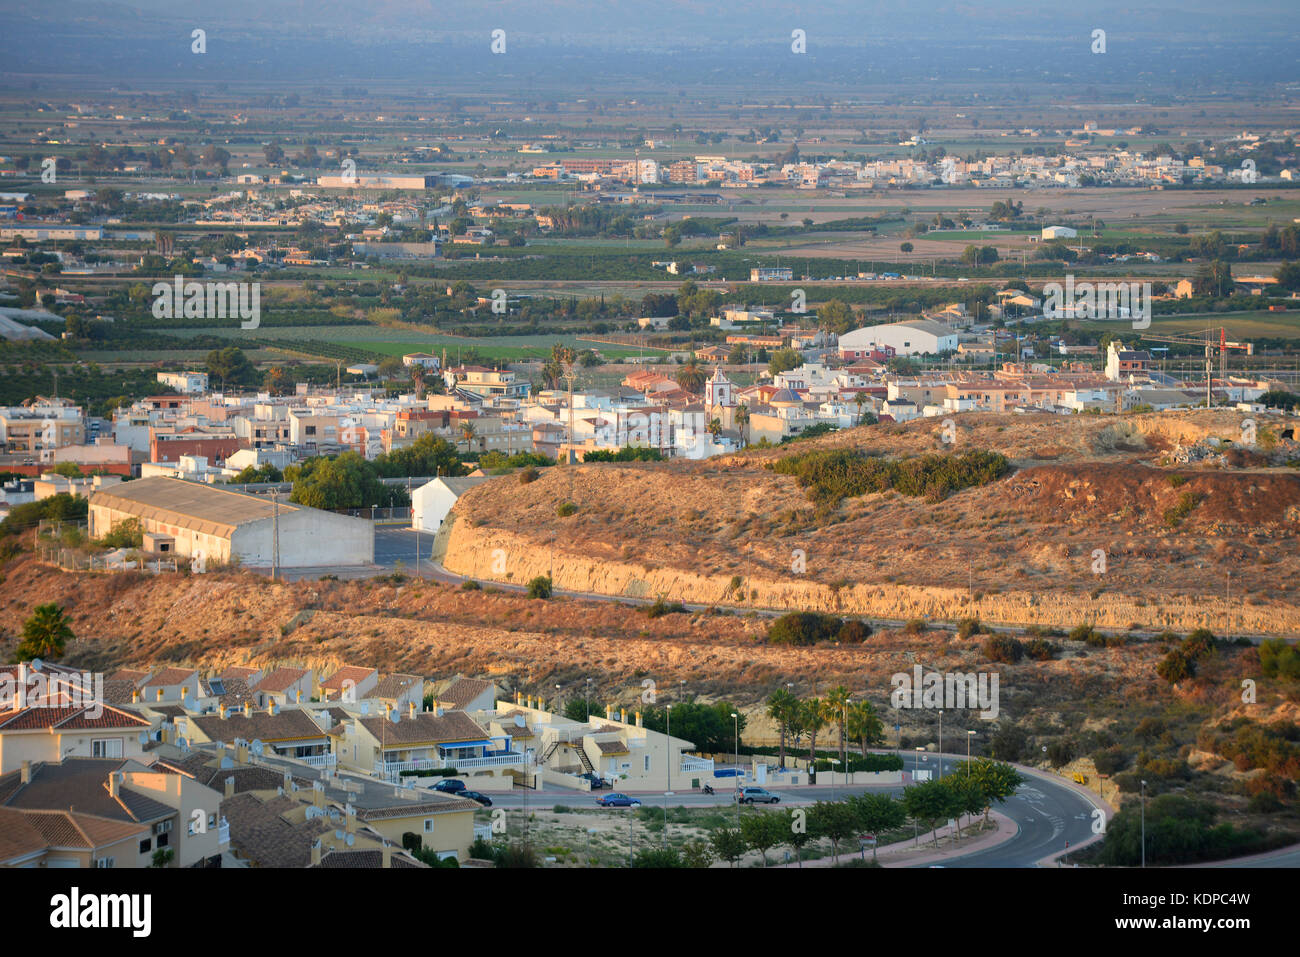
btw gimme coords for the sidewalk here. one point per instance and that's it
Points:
(907, 854)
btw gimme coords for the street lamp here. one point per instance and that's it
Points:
(969, 735)
(668, 765)
(736, 721)
(940, 744)
(557, 698)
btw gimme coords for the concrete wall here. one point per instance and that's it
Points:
(308, 538)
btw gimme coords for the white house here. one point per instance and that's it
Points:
(431, 502)
(1059, 232)
(914, 337)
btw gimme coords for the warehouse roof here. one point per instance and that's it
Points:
(193, 505)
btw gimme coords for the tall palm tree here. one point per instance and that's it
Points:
(715, 426)
(691, 377)
(860, 400)
(467, 432)
(864, 726)
(837, 701)
(417, 376)
(742, 420)
(45, 634)
(813, 715)
(781, 706)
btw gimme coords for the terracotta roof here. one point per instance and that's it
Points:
(291, 724)
(373, 858)
(612, 747)
(259, 831)
(425, 727)
(238, 671)
(394, 686)
(280, 679)
(69, 719)
(19, 836)
(171, 676)
(133, 675)
(60, 829)
(435, 803)
(81, 784)
(354, 673)
(462, 691)
(118, 690)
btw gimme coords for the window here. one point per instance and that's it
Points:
(311, 430)
(106, 748)
(647, 762)
(428, 825)
(146, 845)
(104, 862)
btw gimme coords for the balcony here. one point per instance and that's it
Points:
(320, 760)
(696, 765)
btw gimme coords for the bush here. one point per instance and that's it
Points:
(854, 631)
(1176, 667)
(803, 628)
(1111, 761)
(529, 474)
(1186, 503)
(540, 587)
(1083, 633)
(1003, 648)
(914, 626)
(1060, 752)
(127, 533)
(1277, 659)
(831, 475)
(470, 585)
(968, 627)
(482, 850)
(661, 608)
(565, 509)
(1040, 649)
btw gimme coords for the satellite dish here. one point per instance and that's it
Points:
(365, 708)
(314, 812)
(280, 791)
(338, 832)
(220, 745)
(226, 763)
(350, 839)
(258, 747)
(35, 664)
(396, 716)
(143, 738)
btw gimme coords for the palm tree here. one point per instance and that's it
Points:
(715, 426)
(813, 715)
(781, 707)
(691, 377)
(417, 376)
(742, 420)
(864, 726)
(860, 400)
(837, 701)
(467, 432)
(45, 634)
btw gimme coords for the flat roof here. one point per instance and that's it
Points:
(205, 508)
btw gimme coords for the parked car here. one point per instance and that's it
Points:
(617, 799)
(475, 796)
(758, 796)
(596, 781)
(450, 786)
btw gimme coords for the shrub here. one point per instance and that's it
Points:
(1277, 659)
(482, 850)
(540, 587)
(803, 628)
(1040, 649)
(127, 533)
(470, 585)
(832, 475)
(1060, 752)
(1186, 503)
(969, 626)
(1084, 633)
(854, 631)
(1111, 761)
(914, 626)
(1003, 648)
(529, 474)
(565, 509)
(1175, 667)
(661, 608)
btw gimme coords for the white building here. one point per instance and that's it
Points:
(431, 502)
(1059, 232)
(914, 337)
(191, 383)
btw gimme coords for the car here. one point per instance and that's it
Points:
(758, 796)
(595, 780)
(617, 799)
(482, 799)
(450, 786)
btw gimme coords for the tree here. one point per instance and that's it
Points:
(783, 360)
(763, 830)
(836, 821)
(696, 854)
(1288, 276)
(658, 858)
(231, 367)
(277, 381)
(45, 634)
(996, 780)
(836, 316)
(348, 481)
(928, 803)
(837, 706)
(729, 844)
(905, 247)
(813, 714)
(876, 814)
(864, 726)
(742, 422)
(540, 587)
(781, 707)
(1213, 279)
(691, 376)
(467, 432)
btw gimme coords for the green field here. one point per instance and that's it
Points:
(1240, 325)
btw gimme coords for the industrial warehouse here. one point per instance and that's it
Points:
(217, 525)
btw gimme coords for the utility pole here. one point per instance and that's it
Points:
(275, 534)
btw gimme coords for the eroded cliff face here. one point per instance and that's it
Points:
(496, 555)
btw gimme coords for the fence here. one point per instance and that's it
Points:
(73, 560)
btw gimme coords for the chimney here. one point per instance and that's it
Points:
(609, 712)
(315, 853)
(352, 818)
(288, 782)
(241, 751)
(160, 694)
(25, 776)
(411, 709)
(622, 715)
(248, 709)
(519, 697)
(114, 784)
(135, 696)
(230, 786)
(388, 854)
(222, 711)
(638, 719)
(270, 707)
(317, 794)
(297, 696)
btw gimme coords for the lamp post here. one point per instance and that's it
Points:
(736, 721)
(969, 735)
(588, 697)
(557, 698)
(668, 765)
(940, 744)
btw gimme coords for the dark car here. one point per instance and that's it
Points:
(475, 796)
(617, 799)
(596, 781)
(758, 796)
(450, 786)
